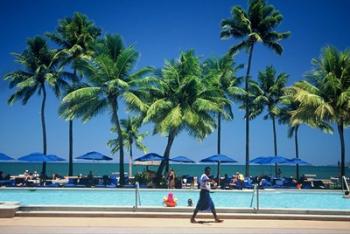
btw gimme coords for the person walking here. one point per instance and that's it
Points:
(205, 202)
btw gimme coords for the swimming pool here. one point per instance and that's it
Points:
(287, 199)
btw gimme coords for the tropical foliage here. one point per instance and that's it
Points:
(110, 78)
(40, 69)
(326, 94)
(75, 37)
(221, 74)
(257, 24)
(131, 135)
(181, 101)
(272, 85)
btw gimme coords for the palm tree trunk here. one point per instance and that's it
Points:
(219, 145)
(274, 140)
(247, 113)
(130, 159)
(115, 120)
(70, 150)
(166, 155)
(43, 124)
(70, 163)
(342, 148)
(296, 149)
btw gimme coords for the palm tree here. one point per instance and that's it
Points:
(131, 135)
(40, 68)
(326, 94)
(181, 101)
(289, 104)
(220, 74)
(110, 80)
(272, 86)
(284, 117)
(75, 37)
(256, 24)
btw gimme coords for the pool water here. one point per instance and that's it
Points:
(293, 199)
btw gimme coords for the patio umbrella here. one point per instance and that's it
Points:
(182, 159)
(39, 157)
(4, 157)
(150, 159)
(270, 160)
(94, 156)
(218, 158)
(298, 161)
(266, 160)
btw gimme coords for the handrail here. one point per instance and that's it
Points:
(257, 199)
(346, 184)
(137, 195)
(254, 190)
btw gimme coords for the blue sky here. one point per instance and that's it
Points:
(160, 30)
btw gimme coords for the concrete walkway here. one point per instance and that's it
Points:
(38, 225)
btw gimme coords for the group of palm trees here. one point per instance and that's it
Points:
(91, 73)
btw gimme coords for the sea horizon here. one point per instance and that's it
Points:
(196, 169)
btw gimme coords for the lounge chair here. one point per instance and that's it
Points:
(72, 183)
(318, 184)
(113, 182)
(247, 183)
(264, 183)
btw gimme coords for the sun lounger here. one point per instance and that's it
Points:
(247, 184)
(7, 183)
(318, 184)
(264, 183)
(113, 183)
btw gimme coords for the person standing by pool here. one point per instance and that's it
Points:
(171, 179)
(205, 202)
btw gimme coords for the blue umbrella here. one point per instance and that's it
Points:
(298, 161)
(4, 157)
(149, 160)
(182, 159)
(39, 157)
(55, 158)
(149, 157)
(270, 160)
(94, 156)
(218, 158)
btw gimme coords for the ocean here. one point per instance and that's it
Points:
(100, 169)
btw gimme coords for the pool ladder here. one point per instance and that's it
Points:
(137, 195)
(255, 191)
(344, 182)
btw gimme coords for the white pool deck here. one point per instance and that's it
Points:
(105, 225)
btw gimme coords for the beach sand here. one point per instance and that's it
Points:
(39, 225)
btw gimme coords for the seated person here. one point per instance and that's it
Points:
(225, 182)
(169, 201)
(35, 175)
(237, 180)
(90, 179)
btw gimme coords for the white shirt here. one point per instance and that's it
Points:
(204, 182)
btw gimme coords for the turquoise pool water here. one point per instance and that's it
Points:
(225, 199)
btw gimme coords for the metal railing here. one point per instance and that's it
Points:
(255, 191)
(137, 195)
(345, 182)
